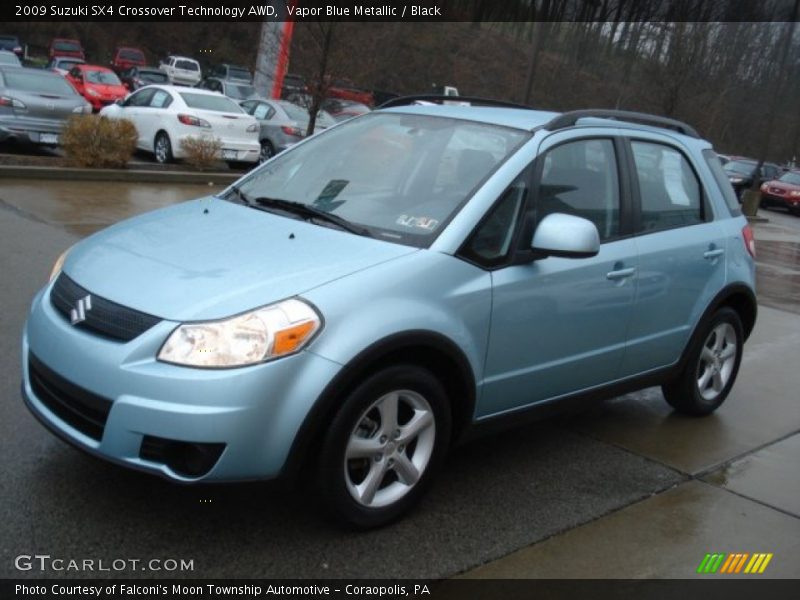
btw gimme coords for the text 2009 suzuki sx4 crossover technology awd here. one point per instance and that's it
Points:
(354, 306)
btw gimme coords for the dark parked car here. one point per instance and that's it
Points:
(35, 104)
(232, 88)
(126, 57)
(137, 77)
(292, 84)
(12, 44)
(341, 110)
(783, 192)
(742, 172)
(66, 47)
(231, 73)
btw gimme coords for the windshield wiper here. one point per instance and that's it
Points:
(310, 212)
(241, 196)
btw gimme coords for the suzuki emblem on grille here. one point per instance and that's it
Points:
(78, 314)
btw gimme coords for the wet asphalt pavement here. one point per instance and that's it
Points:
(626, 489)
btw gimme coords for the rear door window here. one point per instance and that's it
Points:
(669, 190)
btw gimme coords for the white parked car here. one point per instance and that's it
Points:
(165, 115)
(181, 70)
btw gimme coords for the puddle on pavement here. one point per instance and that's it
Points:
(83, 207)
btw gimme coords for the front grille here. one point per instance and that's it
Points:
(83, 410)
(105, 318)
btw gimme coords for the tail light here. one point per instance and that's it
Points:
(295, 131)
(749, 240)
(10, 102)
(194, 121)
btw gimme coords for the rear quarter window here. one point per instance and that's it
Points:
(723, 183)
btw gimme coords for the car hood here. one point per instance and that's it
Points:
(209, 258)
(782, 185)
(106, 89)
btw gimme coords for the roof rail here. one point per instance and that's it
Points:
(569, 119)
(439, 99)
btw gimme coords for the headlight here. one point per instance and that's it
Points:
(795, 193)
(263, 334)
(92, 92)
(59, 264)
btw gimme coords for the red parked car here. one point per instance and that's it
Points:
(99, 85)
(783, 192)
(66, 47)
(126, 57)
(344, 89)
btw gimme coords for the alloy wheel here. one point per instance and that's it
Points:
(717, 361)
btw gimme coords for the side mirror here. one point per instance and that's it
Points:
(566, 236)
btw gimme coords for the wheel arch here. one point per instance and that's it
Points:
(427, 349)
(739, 297)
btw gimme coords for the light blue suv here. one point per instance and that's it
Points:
(356, 305)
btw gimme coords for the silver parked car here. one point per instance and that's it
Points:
(283, 124)
(63, 64)
(234, 89)
(9, 59)
(35, 104)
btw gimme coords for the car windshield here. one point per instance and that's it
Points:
(791, 177)
(131, 55)
(153, 76)
(41, 83)
(742, 167)
(401, 176)
(186, 65)
(240, 91)
(210, 102)
(67, 46)
(102, 77)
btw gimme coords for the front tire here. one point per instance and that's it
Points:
(162, 148)
(384, 446)
(711, 366)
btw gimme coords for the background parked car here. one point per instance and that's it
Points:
(231, 72)
(63, 64)
(346, 90)
(9, 59)
(783, 192)
(35, 104)
(12, 44)
(282, 124)
(234, 88)
(165, 115)
(292, 84)
(126, 57)
(137, 77)
(66, 47)
(99, 85)
(341, 110)
(742, 172)
(181, 70)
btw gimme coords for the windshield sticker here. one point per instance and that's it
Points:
(420, 222)
(325, 200)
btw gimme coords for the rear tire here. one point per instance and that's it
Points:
(162, 148)
(267, 151)
(711, 365)
(241, 165)
(384, 446)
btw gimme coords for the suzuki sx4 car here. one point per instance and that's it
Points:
(349, 310)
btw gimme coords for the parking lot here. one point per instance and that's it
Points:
(626, 489)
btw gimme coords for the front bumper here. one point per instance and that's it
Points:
(253, 412)
(790, 202)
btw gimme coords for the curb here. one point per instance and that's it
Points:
(757, 219)
(130, 175)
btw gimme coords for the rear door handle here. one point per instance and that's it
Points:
(711, 254)
(620, 274)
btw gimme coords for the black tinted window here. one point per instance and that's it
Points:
(669, 190)
(580, 178)
(141, 98)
